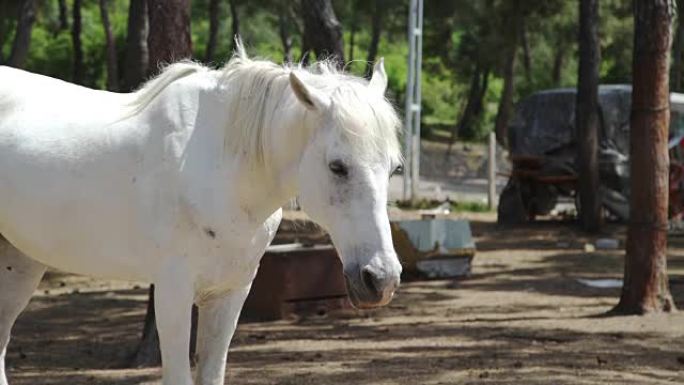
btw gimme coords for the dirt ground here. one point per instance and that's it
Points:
(520, 318)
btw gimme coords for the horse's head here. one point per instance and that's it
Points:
(344, 175)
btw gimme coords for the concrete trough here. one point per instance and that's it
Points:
(434, 248)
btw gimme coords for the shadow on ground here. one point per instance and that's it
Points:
(520, 318)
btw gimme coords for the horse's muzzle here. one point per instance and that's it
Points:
(368, 287)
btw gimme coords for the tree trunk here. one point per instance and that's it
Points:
(148, 353)
(112, 61)
(527, 52)
(169, 37)
(506, 101)
(483, 91)
(587, 116)
(646, 287)
(284, 32)
(169, 40)
(376, 29)
(136, 57)
(558, 62)
(352, 32)
(22, 37)
(305, 58)
(78, 69)
(214, 24)
(322, 31)
(63, 15)
(7, 12)
(473, 107)
(678, 51)
(235, 17)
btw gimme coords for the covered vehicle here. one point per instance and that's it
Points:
(542, 147)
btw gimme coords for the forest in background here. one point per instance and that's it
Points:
(470, 47)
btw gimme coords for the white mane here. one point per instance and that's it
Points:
(256, 90)
(150, 90)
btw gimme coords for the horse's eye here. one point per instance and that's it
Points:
(338, 168)
(398, 170)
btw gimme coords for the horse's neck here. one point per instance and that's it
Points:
(278, 176)
(261, 188)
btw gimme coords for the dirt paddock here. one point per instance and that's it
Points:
(520, 318)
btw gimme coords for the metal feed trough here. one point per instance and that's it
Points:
(434, 248)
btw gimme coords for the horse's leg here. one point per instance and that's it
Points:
(217, 321)
(19, 277)
(173, 299)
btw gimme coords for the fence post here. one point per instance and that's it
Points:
(491, 193)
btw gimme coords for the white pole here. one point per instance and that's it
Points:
(491, 196)
(408, 119)
(416, 107)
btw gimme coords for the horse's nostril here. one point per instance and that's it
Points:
(370, 280)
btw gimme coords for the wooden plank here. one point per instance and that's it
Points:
(290, 274)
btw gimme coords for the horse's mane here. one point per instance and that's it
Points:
(257, 90)
(152, 88)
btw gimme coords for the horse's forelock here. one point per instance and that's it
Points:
(369, 122)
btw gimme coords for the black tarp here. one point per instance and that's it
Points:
(544, 126)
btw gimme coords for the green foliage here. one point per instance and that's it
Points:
(439, 93)
(458, 207)
(460, 36)
(617, 39)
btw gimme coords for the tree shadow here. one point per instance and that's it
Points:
(100, 328)
(409, 353)
(432, 333)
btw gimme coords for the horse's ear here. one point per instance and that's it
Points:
(378, 82)
(310, 97)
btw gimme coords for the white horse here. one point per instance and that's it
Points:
(181, 184)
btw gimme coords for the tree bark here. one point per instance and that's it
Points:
(506, 102)
(235, 18)
(22, 37)
(284, 32)
(678, 51)
(214, 24)
(587, 116)
(63, 15)
(322, 31)
(169, 40)
(527, 52)
(376, 29)
(169, 37)
(646, 287)
(7, 13)
(352, 32)
(112, 60)
(148, 353)
(78, 69)
(558, 62)
(136, 57)
(473, 107)
(305, 57)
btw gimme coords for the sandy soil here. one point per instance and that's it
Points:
(521, 318)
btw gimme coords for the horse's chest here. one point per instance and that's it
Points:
(234, 256)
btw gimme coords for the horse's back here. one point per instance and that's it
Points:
(28, 99)
(50, 118)
(67, 171)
